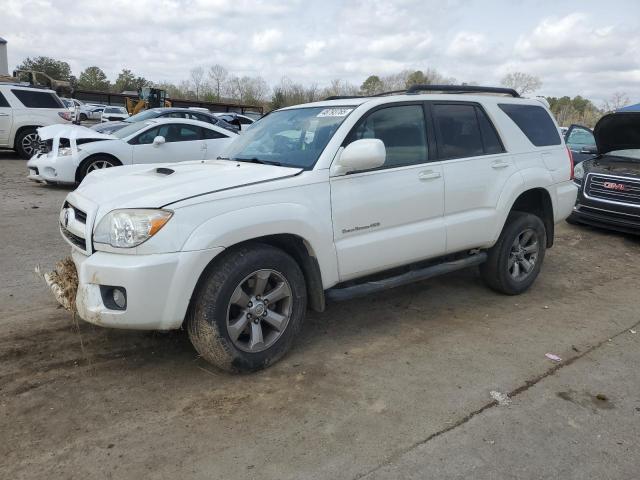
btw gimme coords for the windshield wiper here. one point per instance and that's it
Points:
(257, 160)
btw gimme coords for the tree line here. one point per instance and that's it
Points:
(217, 84)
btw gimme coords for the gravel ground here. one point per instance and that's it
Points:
(396, 385)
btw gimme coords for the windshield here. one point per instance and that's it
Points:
(292, 138)
(145, 115)
(130, 129)
(67, 103)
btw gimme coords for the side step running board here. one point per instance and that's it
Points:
(360, 290)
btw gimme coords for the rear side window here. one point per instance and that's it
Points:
(3, 101)
(209, 134)
(36, 99)
(534, 122)
(457, 131)
(403, 131)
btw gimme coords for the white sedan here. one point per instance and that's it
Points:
(110, 114)
(73, 151)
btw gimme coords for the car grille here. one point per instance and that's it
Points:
(79, 214)
(613, 189)
(76, 240)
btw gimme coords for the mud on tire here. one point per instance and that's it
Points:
(226, 312)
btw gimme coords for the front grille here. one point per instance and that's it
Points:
(76, 240)
(79, 214)
(613, 189)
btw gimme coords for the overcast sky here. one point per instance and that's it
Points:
(582, 47)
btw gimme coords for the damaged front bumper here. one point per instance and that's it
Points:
(157, 287)
(45, 167)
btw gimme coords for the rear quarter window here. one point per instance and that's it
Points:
(3, 101)
(534, 122)
(36, 99)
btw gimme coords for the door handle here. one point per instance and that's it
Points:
(428, 175)
(4, 114)
(500, 164)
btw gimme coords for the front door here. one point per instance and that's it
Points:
(182, 142)
(392, 215)
(581, 142)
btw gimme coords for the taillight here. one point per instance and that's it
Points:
(65, 115)
(570, 161)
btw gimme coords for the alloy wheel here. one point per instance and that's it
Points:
(524, 254)
(259, 310)
(99, 165)
(30, 143)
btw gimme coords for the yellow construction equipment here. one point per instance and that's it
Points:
(39, 79)
(148, 97)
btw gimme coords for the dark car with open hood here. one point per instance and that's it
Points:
(609, 194)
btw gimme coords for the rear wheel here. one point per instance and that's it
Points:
(83, 117)
(248, 309)
(96, 163)
(514, 262)
(27, 143)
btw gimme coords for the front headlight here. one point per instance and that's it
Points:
(578, 172)
(129, 228)
(64, 151)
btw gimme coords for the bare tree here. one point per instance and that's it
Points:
(218, 75)
(197, 75)
(521, 82)
(615, 101)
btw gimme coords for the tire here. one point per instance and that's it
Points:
(27, 142)
(226, 321)
(96, 163)
(505, 270)
(83, 117)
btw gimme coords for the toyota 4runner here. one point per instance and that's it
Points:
(320, 202)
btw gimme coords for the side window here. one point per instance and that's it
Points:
(146, 138)
(3, 101)
(534, 122)
(403, 131)
(182, 133)
(36, 99)
(490, 139)
(209, 134)
(457, 131)
(245, 121)
(174, 115)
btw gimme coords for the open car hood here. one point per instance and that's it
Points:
(618, 131)
(71, 131)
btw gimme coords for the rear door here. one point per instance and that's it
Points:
(6, 119)
(391, 215)
(183, 142)
(476, 167)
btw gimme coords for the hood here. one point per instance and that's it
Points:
(618, 131)
(158, 185)
(71, 131)
(617, 166)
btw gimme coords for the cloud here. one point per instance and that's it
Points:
(267, 40)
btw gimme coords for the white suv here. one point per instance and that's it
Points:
(22, 110)
(323, 201)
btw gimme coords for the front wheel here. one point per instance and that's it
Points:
(515, 260)
(96, 163)
(248, 309)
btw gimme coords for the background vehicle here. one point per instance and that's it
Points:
(237, 119)
(22, 110)
(110, 114)
(86, 110)
(325, 201)
(609, 194)
(148, 97)
(110, 127)
(581, 142)
(75, 151)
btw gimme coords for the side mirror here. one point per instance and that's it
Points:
(159, 140)
(361, 155)
(590, 150)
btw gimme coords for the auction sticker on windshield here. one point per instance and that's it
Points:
(335, 112)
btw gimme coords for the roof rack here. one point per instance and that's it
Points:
(344, 97)
(414, 89)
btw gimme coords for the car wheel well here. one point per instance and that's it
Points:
(299, 250)
(80, 168)
(537, 201)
